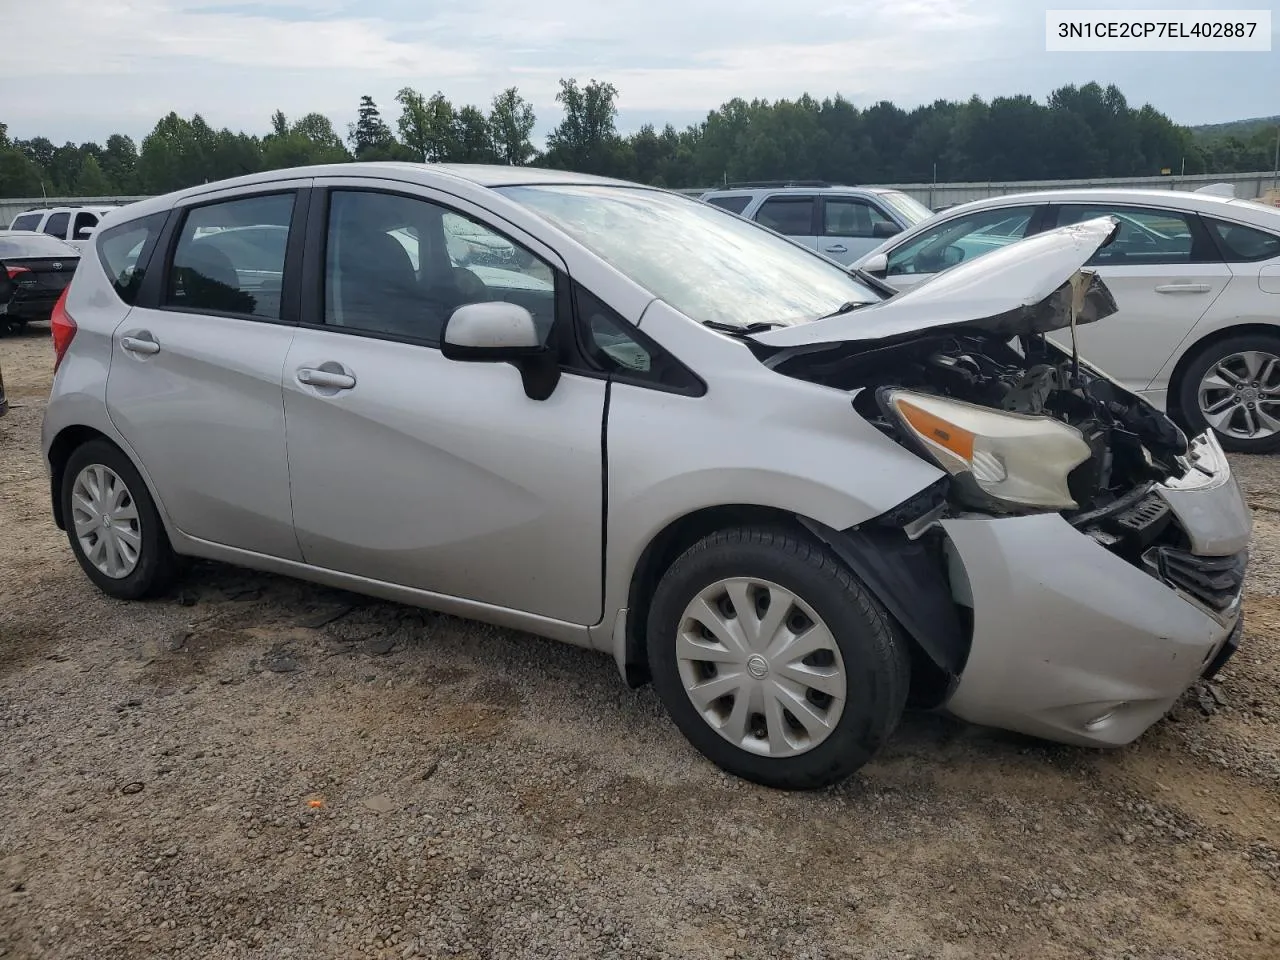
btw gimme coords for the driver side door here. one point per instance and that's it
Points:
(961, 238)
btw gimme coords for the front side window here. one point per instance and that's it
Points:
(1242, 244)
(230, 257)
(56, 225)
(400, 266)
(1145, 236)
(28, 221)
(962, 238)
(710, 265)
(84, 219)
(790, 216)
(124, 251)
(847, 217)
(734, 204)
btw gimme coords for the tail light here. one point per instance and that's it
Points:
(64, 328)
(14, 272)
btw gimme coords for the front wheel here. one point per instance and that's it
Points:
(115, 531)
(1233, 387)
(774, 660)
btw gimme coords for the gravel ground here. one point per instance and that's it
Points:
(260, 768)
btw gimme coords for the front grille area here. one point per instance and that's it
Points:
(1214, 581)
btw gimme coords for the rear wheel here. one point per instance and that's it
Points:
(774, 660)
(112, 524)
(1233, 387)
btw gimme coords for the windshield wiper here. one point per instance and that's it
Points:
(847, 307)
(741, 329)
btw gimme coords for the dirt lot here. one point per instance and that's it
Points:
(256, 767)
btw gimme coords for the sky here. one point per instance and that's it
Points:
(107, 66)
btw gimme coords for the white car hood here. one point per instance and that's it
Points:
(1031, 286)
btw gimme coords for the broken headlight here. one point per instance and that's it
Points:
(1000, 460)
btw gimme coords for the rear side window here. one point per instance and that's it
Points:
(1243, 244)
(230, 257)
(124, 251)
(734, 204)
(790, 216)
(28, 221)
(56, 225)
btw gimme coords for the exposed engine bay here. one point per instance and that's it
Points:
(1132, 445)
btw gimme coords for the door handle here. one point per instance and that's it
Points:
(837, 248)
(325, 378)
(1183, 288)
(142, 344)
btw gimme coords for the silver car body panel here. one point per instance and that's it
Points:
(1208, 502)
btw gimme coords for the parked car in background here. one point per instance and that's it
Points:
(789, 498)
(1196, 278)
(842, 223)
(34, 270)
(75, 225)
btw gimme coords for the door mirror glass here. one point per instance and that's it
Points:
(876, 264)
(493, 331)
(884, 229)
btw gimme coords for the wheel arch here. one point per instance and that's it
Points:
(69, 439)
(932, 669)
(1173, 402)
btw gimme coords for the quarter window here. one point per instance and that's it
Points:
(124, 251)
(1145, 236)
(847, 217)
(400, 266)
(734, 204)
(230, 257)
(790, 216)
(28, 221)
(962, 238)
(1244, 244)
(56, 225)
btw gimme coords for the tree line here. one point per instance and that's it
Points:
(1086, 131)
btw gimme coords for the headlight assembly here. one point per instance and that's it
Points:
(1011, 459)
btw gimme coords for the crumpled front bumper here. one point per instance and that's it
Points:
(1074, 643)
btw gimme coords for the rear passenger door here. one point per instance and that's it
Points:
(57, 224)
(1163, 270)
(852, 227)
(792, 215)
(194, 385)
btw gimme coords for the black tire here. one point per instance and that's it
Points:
(1188, 388)
(876, 662)
(156, 566)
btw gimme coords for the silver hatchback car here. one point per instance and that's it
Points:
(791, 499)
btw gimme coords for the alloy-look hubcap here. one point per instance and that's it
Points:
(106, 521)
(761, 667)
(1240, 395)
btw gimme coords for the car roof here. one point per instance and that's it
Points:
(794, 189)
(1231, 208)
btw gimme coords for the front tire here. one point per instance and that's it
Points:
(112, 524)
(1232, 386)
(774, 660)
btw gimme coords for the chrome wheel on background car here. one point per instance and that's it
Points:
(105, 518)
(761, 667)
(1239, 396)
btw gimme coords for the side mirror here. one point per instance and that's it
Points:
(877, 264)
(84, 233)
(498, 332)
(884, 229)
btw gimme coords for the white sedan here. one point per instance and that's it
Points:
(1196, 278)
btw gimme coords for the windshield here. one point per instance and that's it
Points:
(909, 208)
(707, 263)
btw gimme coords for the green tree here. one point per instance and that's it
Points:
(586, 140)
(428, 126)
(511, 122)
(369, 136)
(472, 139)
(119, 162)
(92, 182)
(19, 177)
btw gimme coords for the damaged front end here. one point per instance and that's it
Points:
(1092, 557)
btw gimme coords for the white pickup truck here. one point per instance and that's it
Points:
(75, 225)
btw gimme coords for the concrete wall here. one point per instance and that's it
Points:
(1247, 186)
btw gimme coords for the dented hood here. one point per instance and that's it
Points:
(1031, 286)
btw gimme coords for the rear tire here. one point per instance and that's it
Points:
(128, 557)
(1216, 388)
(801, 723)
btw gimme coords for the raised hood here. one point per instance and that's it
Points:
(1032, 286)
